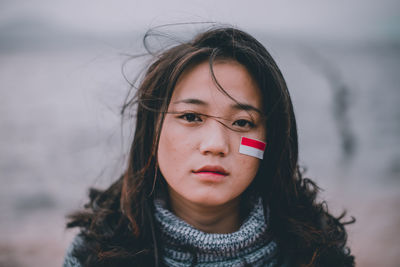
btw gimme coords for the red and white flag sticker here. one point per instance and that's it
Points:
(252, 147)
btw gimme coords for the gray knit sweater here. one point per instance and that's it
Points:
(184, 245)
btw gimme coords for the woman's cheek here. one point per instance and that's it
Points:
(247, 167)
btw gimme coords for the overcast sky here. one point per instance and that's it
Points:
(339, 19)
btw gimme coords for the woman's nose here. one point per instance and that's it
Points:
(215, 139)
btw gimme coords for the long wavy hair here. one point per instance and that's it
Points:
(117, 225)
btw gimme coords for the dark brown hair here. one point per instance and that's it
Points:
(117, 224)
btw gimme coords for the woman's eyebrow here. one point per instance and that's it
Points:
(245, 107)
(192, 101)
(236, 106)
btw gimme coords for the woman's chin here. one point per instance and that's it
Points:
(207, 200)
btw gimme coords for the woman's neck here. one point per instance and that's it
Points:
(221, 219)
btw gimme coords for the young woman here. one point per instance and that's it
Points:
(213, 176)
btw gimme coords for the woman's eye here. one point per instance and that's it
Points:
(190, 117)
(244, 123)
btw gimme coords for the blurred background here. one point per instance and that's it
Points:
(61, 90)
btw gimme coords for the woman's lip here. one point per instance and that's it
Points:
(210, 177)
(212, 170)
(211, 173)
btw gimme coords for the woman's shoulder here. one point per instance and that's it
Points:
(70, 259)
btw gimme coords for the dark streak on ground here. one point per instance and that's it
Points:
(341, 100)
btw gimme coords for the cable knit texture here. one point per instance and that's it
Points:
(183, 245)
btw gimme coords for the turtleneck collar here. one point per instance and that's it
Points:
(184, 245)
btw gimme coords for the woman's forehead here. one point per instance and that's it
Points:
(197, 86)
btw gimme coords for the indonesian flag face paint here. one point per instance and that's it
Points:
(252, 147)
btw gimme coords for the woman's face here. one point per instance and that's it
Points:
(199, 156)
